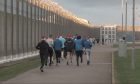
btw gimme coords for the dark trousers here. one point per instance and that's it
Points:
(51, 55)
(51, 60)
(79, 55)
(65, 53)
(58, 55)
(44, 59)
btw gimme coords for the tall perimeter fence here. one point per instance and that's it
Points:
(23, 22)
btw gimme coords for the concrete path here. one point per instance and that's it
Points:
(99, 72)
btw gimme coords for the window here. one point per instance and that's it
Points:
(113, 36)
(105, 32)
(109, 32)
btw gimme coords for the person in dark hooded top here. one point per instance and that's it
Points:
(43, 48)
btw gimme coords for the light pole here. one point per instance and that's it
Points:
(133, 48)
(122, 41)
(126, 19)
(122, 15)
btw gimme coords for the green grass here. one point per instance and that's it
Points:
(115, 45)
(124, 74)
(12, 69)
(128, 44)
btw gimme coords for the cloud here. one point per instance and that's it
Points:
(94, 3)
(99, 11)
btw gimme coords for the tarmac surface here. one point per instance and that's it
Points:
(98, 72)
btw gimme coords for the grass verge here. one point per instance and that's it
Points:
(128, 45)
(124, 74)
(12, 69)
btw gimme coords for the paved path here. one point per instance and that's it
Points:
(97, 73)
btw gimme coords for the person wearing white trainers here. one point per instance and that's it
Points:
(88, 46)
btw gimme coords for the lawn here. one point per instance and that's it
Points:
(12, 69)
(124, 74)
(128, 44)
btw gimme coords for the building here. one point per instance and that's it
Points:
(108, 34)
(96, 33)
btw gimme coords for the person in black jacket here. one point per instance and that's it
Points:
(69, 48)
(44, 51)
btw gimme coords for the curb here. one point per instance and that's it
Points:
(113, 75)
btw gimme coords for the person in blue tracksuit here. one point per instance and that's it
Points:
(57, 47)
(63, 40)
(79, 49)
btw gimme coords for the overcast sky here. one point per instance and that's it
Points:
(100, 11)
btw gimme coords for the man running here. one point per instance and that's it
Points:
(79, 49)
(44, 52)
(57, 48)
(69, 47)
(50, 41)
(88, 46)
(63, 40)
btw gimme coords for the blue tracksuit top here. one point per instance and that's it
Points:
(57, 44)
(63, 40)
(78, 44)
(87, 44)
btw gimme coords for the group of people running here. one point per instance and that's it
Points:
(64, 48)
